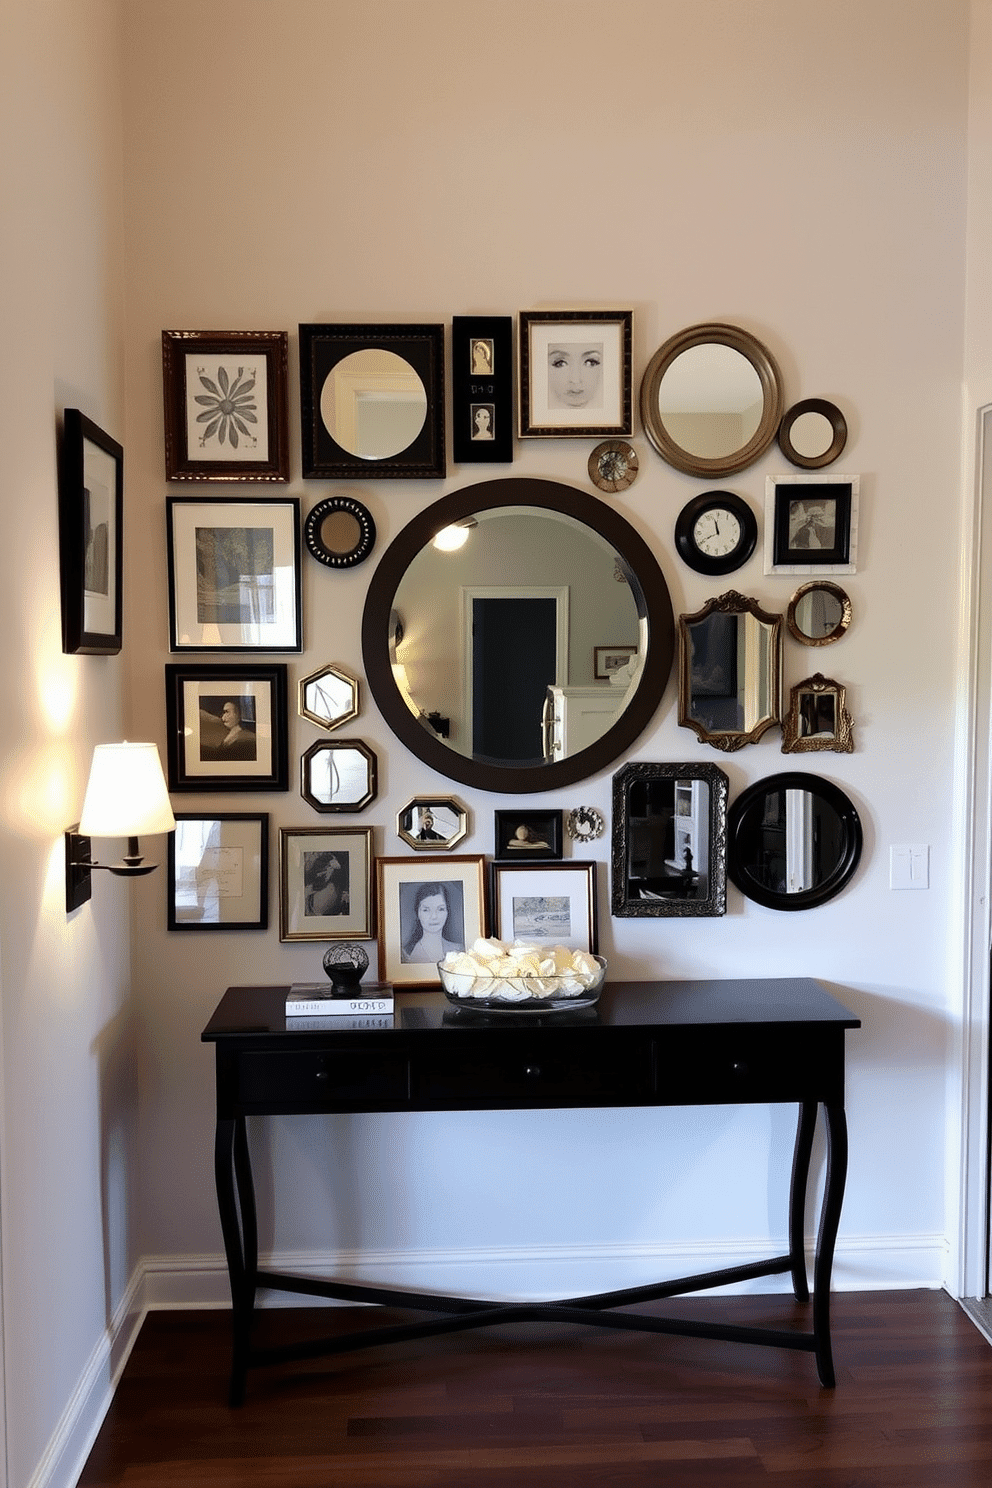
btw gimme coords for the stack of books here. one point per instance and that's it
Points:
(315, 1005)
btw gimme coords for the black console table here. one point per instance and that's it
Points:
(646, 1044)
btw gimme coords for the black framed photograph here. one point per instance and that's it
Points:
(482, 389)
(91, 537)
(557, 904)
(226, 405)
(372, 401)
(575, 373)
(227, 727)
(234, 574)
(426, 908)
(218, 872)
(811, 524)
(522, 835)
(325, 883)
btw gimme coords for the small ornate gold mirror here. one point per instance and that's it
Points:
(817, 718)
(328, 697)
(730, 671)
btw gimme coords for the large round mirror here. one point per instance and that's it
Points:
(793, 841)
(373, 403)
(481, 630)
(711, 400)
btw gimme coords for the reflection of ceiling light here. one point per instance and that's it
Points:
(450, 539)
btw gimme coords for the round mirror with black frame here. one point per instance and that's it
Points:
(339, 532)
(793, 841)
(711, 399)
(590, 577)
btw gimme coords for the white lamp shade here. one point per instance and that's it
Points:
(126, 795)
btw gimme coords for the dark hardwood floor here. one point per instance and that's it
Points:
(536, 1406)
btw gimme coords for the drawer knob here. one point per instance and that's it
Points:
(532, 1071)
(321, 1074)
(739, 1067)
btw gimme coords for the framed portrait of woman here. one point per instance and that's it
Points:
(575, 373)
(325, 883)
(426, 908)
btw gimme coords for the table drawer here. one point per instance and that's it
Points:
(319, 1077)
(731, 1066)
(534, 1076)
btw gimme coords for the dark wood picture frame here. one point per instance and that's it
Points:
(91, 537)
(608, 409)
(482, 389)
(198, 732)
(527, 836)
(230, 877)
(211, 388)
(204, 572)
(322, 349)
(514, 917)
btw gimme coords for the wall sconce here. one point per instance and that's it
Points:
(126, 797)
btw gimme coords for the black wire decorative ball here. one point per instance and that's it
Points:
(346, 964)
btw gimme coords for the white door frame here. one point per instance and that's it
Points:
(969, 1197)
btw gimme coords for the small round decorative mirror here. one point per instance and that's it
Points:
(793, 841)
(812, 433)
(819, 612)
(711, 399)
(339, 532)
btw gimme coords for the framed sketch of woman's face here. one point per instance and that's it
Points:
(427, 907)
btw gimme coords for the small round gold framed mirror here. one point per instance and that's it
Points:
(819, 612)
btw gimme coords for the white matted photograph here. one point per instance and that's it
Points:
(811, 524)
(427, 907)
(218, 876)
(555, 903)
(575, 373)
(325, 883)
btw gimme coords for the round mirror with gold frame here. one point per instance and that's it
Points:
(812, 433)
(711, 399)
(819, 612)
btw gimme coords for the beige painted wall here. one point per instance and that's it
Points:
(68, 1093)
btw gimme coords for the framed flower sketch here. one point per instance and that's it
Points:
(482, 389)
(372, 401)
(526, 835)
(325, 883)
(234, 574)
(227, 727)
(555, 902)
(226, 405)
(575, 373)
(426, 908)
(91, 537)
(811, 524)
(218, 874)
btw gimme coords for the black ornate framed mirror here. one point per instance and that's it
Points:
(339, 532)
(669, 840)
(793, 841)
(553, 566)
(711, 399)
(730, 671)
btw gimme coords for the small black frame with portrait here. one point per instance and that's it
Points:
(401, 359)
(226, 727)
(91, 537)
(482, 389)
(527, 835)
(811, 524)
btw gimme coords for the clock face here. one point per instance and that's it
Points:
(716, 533)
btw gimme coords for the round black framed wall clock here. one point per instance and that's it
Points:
(716, 532)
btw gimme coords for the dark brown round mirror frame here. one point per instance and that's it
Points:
(737, 829)
(654, 603)
(838, 426)
(769, 377)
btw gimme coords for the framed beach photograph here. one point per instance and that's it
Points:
(482, 389)
(811, 524)
(234, 574)
(372, 401)
(91, 537)
(325, 883)
(218, 873)
(556, 903)
(426, 908)
(226, 405)
(526, 835)
(226, 727)
(575, 373)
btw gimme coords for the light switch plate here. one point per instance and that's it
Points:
(909, 866)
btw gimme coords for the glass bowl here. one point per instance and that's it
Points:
(523, 994)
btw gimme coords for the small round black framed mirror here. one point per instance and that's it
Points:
(793, 841)
(339, 532)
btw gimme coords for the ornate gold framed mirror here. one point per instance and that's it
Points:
(817, 718)
(730, 671)
(711, 399)
(328, 697)
(819, 612)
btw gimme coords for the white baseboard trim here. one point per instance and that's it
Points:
(71, 1442)
(522, 1273)
(542, 1273)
